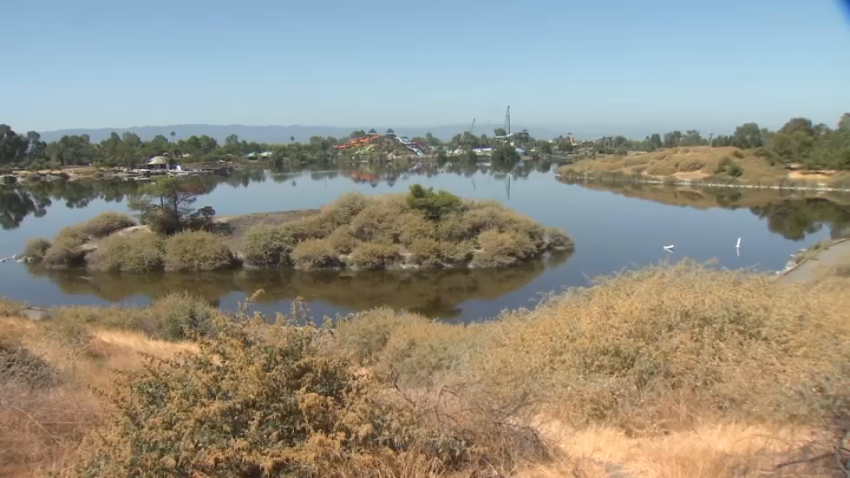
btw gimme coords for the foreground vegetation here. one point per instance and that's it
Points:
(424, 229)
(644, 361)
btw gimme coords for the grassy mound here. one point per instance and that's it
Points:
(197, 251)
(422, 229)
(142, 252)
(695, 163)
(106, 223)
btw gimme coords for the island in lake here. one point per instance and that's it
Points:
(423, 229)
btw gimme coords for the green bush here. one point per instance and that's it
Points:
(268, 246)
(106, 223)
(730, 167)
(67, 249)
(36, 249)
(314, 254)
(162, 221)
(433, 205)
(197, 251)
(371, 256)
(179, 316)
(140, 252)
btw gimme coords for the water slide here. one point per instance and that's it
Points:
(403, 140)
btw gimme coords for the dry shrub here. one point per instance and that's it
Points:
(691, 164)
(501, 249)
(19, 365)
(648, 348)
(106, 223)
(373, 256)
(313, 227)
(345, 208)
(426, 252)
(9, 308)
(67, 249)
(378, 222)
(176, 316)
(342, 240)
(414, 226)
(267, 401)
(456, 253)
(454, 228)
(268, 246)
(558, 240)
(36, 249)
(314, 254)
(128, 253)
(197, 251)
(662, 168)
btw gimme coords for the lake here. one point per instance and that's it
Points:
(614, 226)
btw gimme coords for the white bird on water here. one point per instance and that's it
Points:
(669, 248)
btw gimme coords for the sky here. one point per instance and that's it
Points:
(606, 64)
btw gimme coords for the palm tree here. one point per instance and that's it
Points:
(292, 139)
(173, 134)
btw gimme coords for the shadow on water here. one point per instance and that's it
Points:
(789, 213)
(433, 293)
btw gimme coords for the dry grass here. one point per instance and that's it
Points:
(669, 371)
(106, 223)
(684, 163)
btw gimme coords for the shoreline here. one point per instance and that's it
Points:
(590, 178)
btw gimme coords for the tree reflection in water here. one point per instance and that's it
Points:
(792, 214)
(433, 293)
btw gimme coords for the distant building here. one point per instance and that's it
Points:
(390, 133)
(158, 162)
(372, 131)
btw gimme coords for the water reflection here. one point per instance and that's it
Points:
(34, 197)
(792, 214)
(436, 293)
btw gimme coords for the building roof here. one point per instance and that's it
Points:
(390, 131)
(372, 131)
(158, 160)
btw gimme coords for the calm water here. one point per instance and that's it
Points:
(614, 228)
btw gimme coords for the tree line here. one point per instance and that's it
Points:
(798, 141)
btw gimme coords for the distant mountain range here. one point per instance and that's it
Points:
(282, 134)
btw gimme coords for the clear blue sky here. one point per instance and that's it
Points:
(656, 64)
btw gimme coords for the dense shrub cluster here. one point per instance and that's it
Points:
(269, 401)
(176, 316)
(140, 252)
(197, 251)
(423, 229)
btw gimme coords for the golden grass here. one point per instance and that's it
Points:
(699, 162)
(668, 371)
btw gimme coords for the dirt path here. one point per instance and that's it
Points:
(805, 271)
